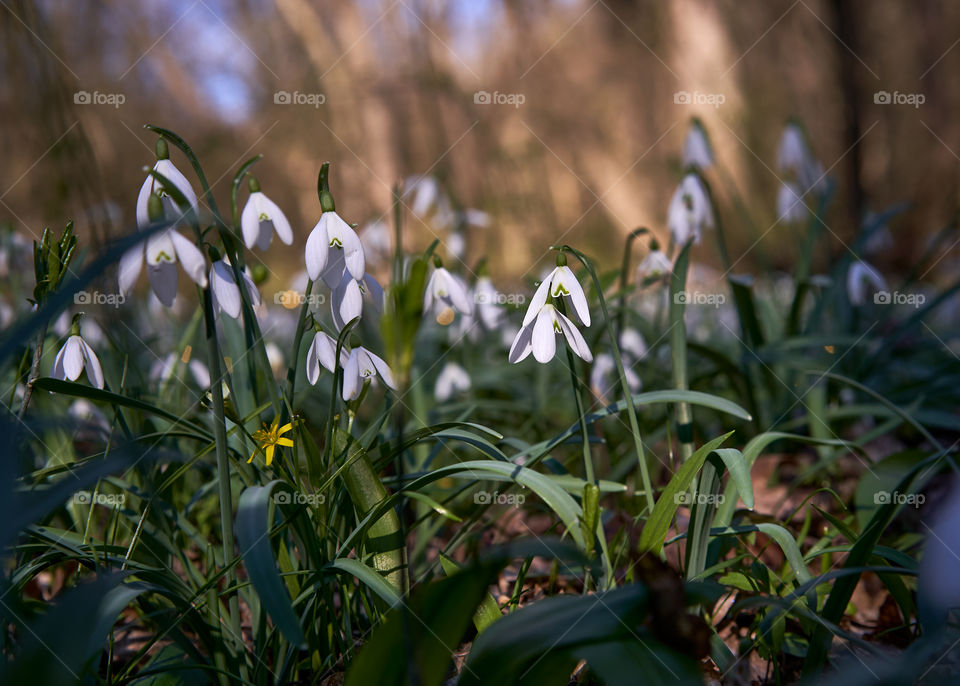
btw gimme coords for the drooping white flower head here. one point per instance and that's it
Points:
(74, 357)
(790, 206)
(451, 380)
(603, 376)
(346, 301)
(260, 218)
(226, 293)
(323, 353)
(539, 336)
(444, 295)
(422, 193)
(332, 247)
(560, 283)
(655, 265)
(861, 276)
(487, 300)
(697, 151)
(163, 368)
(632, 345)
(165, 248)
(796, 159)
(363, 365)
(690, 211)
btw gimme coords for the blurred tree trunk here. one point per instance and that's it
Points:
(847, 45)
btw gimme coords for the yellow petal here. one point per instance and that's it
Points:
(284, 429)
(269, 452)
(285, 441)
(253, 456)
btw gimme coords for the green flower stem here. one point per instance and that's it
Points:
(367, 491)
(625, 275)
(34, 370)
(628, 396)
(297, 340)
(223, 466)
(678, 348)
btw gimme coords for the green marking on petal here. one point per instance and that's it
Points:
(335, 243)
(263, 217)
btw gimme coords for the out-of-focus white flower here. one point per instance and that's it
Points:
(346, 301)
(487, 300)
(74, 357)
(444, 295)
(422, 193)
(603, 376)
(451, 380)
(377, 240)
(226, 293)
(795, 158)
(690, 211)
(655, 265)
(697, 151)
(260, 218)
(881, 240)
(362, 366)
(162, 369)
(938, 584)
(633, 345)
(276, 359)
(539, 336)
(456, 244)
(790, 206)
(323, 353)
(861, 276)
(560, 283)
(162, 250)
(332, 247)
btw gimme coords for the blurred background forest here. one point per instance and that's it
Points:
(593, 151)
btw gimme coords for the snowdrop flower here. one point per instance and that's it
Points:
(938, 585)
(451, 380)
(162, 251)
(377, 240)
(74, 357)
(487, 300)
(150, 185)
(539, 336)
(226, 293)
(632, 345)
(690, 211)
(333, 247)
(323, 353)
(560, 283)
(363, 365)
(346, 302)
(790, 206)
(422, 192)
(260, 218)
(162, 369)
(445, 294)
(795, 157)
(655, 265)
(696, 146)
(859, 277)
(881, 239)
(277, 361)
(603, 376)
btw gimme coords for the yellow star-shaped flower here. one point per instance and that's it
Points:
(269, 438)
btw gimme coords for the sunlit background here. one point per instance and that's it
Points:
(580, 143)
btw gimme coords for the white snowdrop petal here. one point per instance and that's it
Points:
(374, 291)
(538, 301)
(92, 364)
(568, 280)
(128, 271)
(350, 299)
(224, 288)
(143, 215)
(316, 251)
(250, 221)
(574, 338)
(191, 258)
(58, 372)
(544, 337)
(166, 168)
(353, 252)
(351, 376)
(160, 248)
(383, 369)
(313, 362)
(334, 270)
(73, 358)
(252, 291)
(279, 219)
(163, 281)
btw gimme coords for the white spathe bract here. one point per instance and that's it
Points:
(690, 211)
(790, 205)
(226, 293)
(346, 301)
(260, 218)
(444, 290)
(332, 247)
(363, 365)
(73, 358)
(655, 265)
(451, 380)
(323, 353)
(859, 277)
(696, 147)
(560, 283)
(539, 336)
